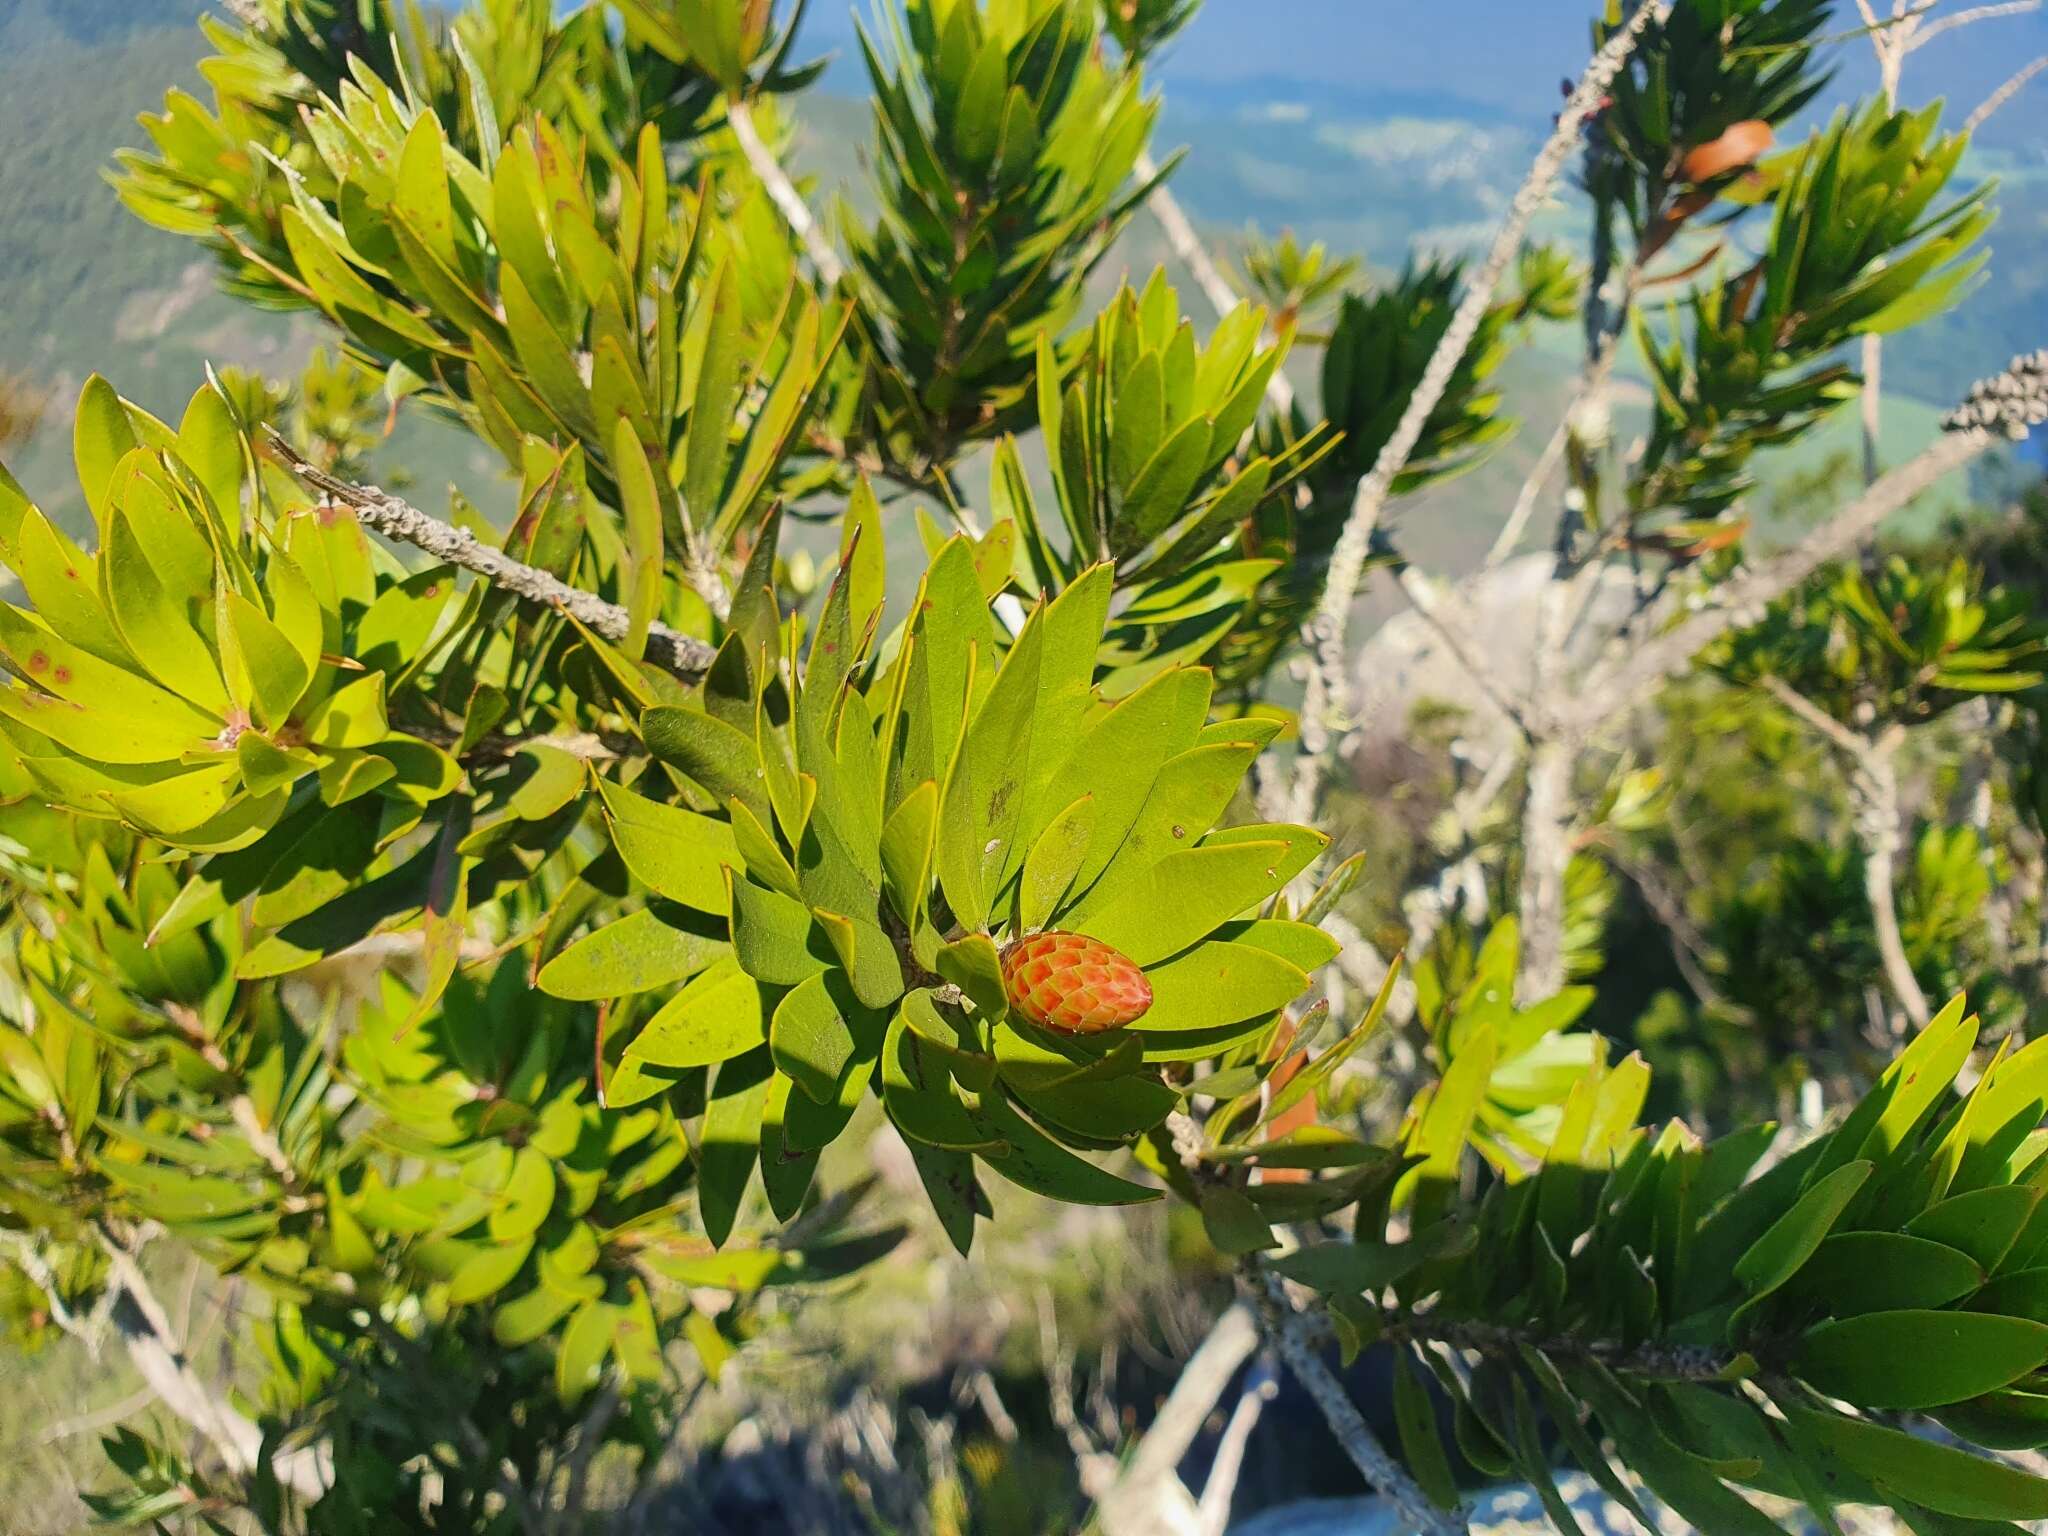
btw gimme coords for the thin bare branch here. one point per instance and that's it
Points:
(2004, 93)
(1532, 490)
(153, 1346)
(789, 202)
(1874, 792)
(1327, 703)
(1293, 1336)
(1816, 717)
(29, 1260)
(689, 658)
(1929, 31)
(2003, 407)
(1194, 255)
(1444, 612)
(1220, 1491)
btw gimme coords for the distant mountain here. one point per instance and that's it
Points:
(1392, 152)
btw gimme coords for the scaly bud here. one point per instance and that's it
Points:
(1077, 985)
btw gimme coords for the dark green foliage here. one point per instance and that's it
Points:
(1004, 148)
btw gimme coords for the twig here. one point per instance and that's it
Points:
(1328, 697)
(1220, 1490)
(1874, 791)
(1194, 255)
(982, 1383)
(1816, 717)
(32, 1263)
(684, 655)
(1444, 613)
(145, 1328)
(1286, 1327)
(1689, 948)
(1532, 490)
(589, 1436)
(2003, 406)
(1933, 29)
(796, 213)
(99, 1418)
(2003, 94)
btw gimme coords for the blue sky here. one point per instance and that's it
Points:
(1508, 55)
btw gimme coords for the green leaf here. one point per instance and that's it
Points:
(730, 1145)
(1791, 1240)
(1189, 893)
(722, 760)
(640, 569)
(1940, 1477)
(1918, 1358)
(819, 1029)
(1422, 1445)
(579, 1358)
(715, 1018)
(1052, 863)
(772, 936)
(101, 436)
(1233, 1223)
(1854, 1272)
(528, 1196)
(674, 852)
(1219, 983)
(489, 1271)
(1034, 1162)
(706, 447)
(1983, 1223)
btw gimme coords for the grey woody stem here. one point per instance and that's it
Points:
(1294, 1336)
(789, 202)
(153, 1345)
(689, 658)
(1327, 703)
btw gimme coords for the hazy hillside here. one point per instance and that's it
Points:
(1371, 166)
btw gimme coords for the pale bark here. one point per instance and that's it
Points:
(1546, 855)
(1295, 1337)
(1326, 706)
(689, 658)
(789, 202)
(152, 1344)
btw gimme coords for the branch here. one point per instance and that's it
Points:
(1689, 947)
(684, 655)
(32, 1263)
(1532, 489)
(1220, 1490)
(1444, 613)
(1194, 255)
(1874, 789)
(1292, 1336)
(2003, 94)
(2006, 405)
(1876, 792)
(1816, 717)
(153, 1345)
(1933, 29)
(1328, 696)
(796, 213)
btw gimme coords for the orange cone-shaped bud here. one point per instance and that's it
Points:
(1077, 985)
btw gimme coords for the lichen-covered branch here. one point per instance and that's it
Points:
(684, 655)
